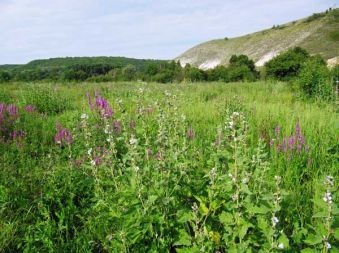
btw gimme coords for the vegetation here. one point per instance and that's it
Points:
(317, 34)
(286, 65)
(135, 167)
(101, 70)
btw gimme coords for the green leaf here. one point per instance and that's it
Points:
(284, 240)
(184, 216)
(184, 239)
(336, 234)
(313, 239)
(257, 209)
(226, 218)
(203, 208)
(243, 229)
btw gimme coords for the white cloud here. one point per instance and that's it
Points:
(32, 29)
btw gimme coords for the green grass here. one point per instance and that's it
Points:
(159, 187)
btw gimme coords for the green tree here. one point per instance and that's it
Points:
(286, 65)
(314, 79)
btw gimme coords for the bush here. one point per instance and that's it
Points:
(314, 79)
(286, 65)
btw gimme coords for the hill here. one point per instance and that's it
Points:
(318, 34)
(64, 62)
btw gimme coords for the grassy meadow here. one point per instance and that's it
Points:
(145, 167)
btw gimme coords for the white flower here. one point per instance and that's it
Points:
(275, 221)
(281, 246)
(235, 114)
(133, 141)
(231, 123)
(245, 180)
(89, 152)
(93, 162)
(328, 197)
(84, 116)
(136, 168)
(328, 245)
(195, 207)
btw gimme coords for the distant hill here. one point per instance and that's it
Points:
(318, 34)
(73, 61)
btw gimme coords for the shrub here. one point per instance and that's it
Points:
(314, 79)
(286, 65)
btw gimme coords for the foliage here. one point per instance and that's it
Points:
(134, 167)
(47, 99)
(286, 65)
(314, 79)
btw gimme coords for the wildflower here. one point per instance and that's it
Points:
(213, 174)
(195, 207)
(133, 141)
(97, 160)
(12, 111)
(297, 129)
(18, 134)
(117, 126)
(291, 142)
(277, 130)
(328, 245)
(101, 105)
(136, 169)
(84, 116)
(30, 108)
(63, 135)
(275, 221)
(190, 133)
(89, 152)
(281, 246)
(245, 180)
(328, 197)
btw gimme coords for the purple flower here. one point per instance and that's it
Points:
(297, 129)
(2, 108)
(12, 111)
(18, 134)
(291, 142)
(63, 135)
(190, 133)
(101, 105)
(277, 130)
(30, 108)
(117, 126)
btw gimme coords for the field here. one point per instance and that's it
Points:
(144, 167)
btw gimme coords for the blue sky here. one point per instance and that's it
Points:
(38, 29)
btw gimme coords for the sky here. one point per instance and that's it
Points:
(151, 29)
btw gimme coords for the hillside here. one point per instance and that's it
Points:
(318, 34)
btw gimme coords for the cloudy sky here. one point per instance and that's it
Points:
(36, 29)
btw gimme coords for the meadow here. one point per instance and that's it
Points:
(146, 167)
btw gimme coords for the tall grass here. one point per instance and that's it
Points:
(173, 168)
